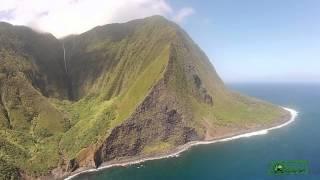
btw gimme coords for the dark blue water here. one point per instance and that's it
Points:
(245, 158)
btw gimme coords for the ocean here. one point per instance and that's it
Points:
(245, 158)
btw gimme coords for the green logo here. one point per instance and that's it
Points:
(289, 167)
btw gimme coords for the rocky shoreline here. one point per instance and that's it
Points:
(175, 152)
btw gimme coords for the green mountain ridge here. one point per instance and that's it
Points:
(122, 90)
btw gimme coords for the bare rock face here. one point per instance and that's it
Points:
(73, 165)
(201, 91)
(208, 99)
(157, 119)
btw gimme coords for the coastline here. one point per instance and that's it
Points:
(176, 152)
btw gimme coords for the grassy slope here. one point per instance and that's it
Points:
(30, 126)
(31, 120)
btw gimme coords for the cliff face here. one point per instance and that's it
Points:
(114, 92)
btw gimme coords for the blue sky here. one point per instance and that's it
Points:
(246, 40)
(258, 40)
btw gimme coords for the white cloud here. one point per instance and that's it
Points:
(64, 17)
(183, 14)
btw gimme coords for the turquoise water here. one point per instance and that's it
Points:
(245, 158)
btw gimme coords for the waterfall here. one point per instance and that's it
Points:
(64, 58)
(68, 80)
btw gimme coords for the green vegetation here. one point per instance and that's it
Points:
(8, 171)
(143, 87)
(157, 148)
